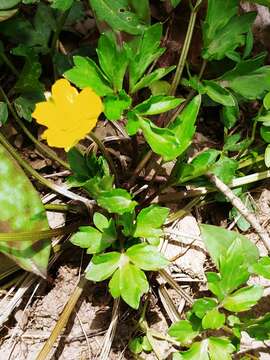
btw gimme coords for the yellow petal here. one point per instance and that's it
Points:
(69, 115)
(46, 113)
(63, 94)
(88, 104)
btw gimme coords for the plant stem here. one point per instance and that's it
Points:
(185, 50)
(60, 208)
(106, 154)
(240, 206)
(27, 167)
(43, 148)
(9, 64)
(59, 26)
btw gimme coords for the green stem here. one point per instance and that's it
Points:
(106, 154)
(59, 26)
(185, 50)
(9, 64)
(43, 148)
(60, 208)
(248, 162)
(27, 167)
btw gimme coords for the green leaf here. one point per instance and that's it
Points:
(133, 123)
(149, 222)
(6, 14)
(198, 166)
(112, 59)
(183, 331)
(218, 14)
(147, 257)
(148, 50)
(243, 299)
(228, 37)
(22, 210)
(262, 267)
(267, 156)
(100, 221)
(248, 79)
(101, 267)
(157, 105)
(147, 347)
(259, 328)
(86, 237)
(135, 345)
(230, 115)
(266, 101)
(114, 105)
(25, 104)
(142, 9)
(197, 351)
(225, 169)
(201, 306)
(218, 240)
(217, 93)
(3, 113)
(184, 125)
(160, 87)
(86, 73)
(265, 133)
(117, 201)
(213, 319)
(8, 4)
(161, 140)
(28, 81)
(129, 282)
(220, 348)
(175, 2)
(116, 14)
(148, 79)
(213, 348)
(78, 163)
(62, 5)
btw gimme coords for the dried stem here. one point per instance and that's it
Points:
(240, 206)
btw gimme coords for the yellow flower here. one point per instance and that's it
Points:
(68, 114)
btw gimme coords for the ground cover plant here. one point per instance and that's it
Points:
(127, 117)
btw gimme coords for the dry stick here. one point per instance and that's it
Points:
(63, 319)
(239, 205)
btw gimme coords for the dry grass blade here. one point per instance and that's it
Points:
(168, 304)
(63, 319)
(176, 287)
(109, 336)
(16, 300)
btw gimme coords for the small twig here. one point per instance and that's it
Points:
(240, 206)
